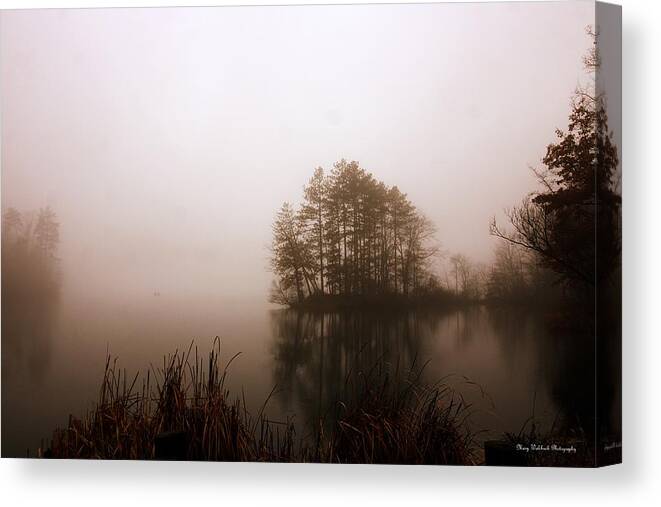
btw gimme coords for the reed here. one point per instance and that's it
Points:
(389, 416)
(184, 405)
(183, 410)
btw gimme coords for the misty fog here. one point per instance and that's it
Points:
(166, 139)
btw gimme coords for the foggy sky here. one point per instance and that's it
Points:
(166, 139)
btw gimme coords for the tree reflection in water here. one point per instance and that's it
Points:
(315, 352)
(531, 367)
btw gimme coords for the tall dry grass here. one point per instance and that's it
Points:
(183, 410)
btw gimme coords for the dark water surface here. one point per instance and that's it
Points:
(53, 357)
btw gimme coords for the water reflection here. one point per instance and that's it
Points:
(28, 327)
(27, 334)
(315, 352)
(525, 368)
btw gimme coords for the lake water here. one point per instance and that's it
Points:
(504, 362)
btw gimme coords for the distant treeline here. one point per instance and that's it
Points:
(29, 255)
(353, 236)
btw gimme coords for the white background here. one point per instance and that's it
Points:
(636, 482)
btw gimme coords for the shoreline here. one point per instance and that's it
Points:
(386, 301)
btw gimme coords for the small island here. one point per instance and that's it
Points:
(354, 242)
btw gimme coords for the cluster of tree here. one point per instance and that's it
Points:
(516, 275)
(572, 227)
(509, 278)
(29, 254)
(352, 236)
(465, 278)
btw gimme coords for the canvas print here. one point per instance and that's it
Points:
(375, 234)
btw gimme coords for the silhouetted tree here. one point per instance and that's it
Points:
(291, 259)
(12, 221)
(466, 277)
(312, 213)
(29, 256)
(416, 249)
(507, 279)
(578, 207)
(47, 233)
